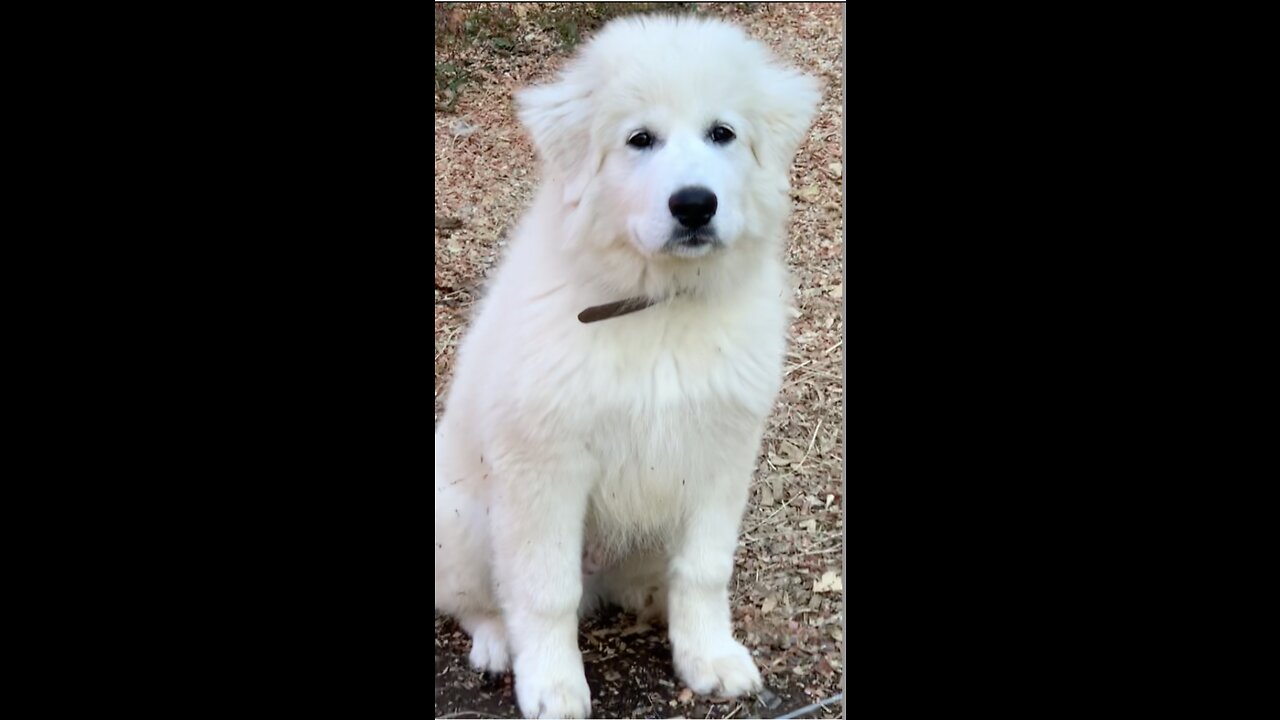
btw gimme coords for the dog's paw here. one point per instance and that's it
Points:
(727, 671)
(553, 692)
(489, 648)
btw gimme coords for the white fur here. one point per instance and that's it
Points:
(611, 461)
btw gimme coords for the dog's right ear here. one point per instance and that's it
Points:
(557, 118)
(790, 103)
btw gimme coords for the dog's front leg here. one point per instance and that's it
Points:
(706, 656)
(537, 529)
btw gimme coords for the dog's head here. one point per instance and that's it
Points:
(673, 135)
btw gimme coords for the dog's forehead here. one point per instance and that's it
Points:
(668, 118)
(672, 105)
(678, 70)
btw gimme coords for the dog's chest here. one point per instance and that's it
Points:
(672, 366)
(653, 464)
(674, 412)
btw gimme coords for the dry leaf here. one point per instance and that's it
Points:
(830, 582)
(766, 496)
(811, 525)
(769, 604)
(790, 452)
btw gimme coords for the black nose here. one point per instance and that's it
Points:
(693, 206)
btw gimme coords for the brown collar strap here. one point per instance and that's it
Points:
(596, 313)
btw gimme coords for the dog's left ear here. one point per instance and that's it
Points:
(790, 103)
(557, 117)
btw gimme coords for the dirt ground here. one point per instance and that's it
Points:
(788, 595)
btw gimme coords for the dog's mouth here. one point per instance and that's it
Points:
(692, 243)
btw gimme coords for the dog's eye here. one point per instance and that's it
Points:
(640, 140)
(721, 134)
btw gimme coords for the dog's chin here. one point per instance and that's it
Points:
(692, 244)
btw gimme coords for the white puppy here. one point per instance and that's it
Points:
(610, 397)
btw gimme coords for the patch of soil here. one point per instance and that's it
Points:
(628, 669)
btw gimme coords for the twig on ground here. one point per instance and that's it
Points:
(810, 448)
(770, 516)
(447, 337)
(824, 550)
(791, 368)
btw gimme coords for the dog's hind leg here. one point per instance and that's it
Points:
(464, 588)
(489, 649)
(463, 570)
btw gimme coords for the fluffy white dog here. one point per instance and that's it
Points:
(611, 394)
